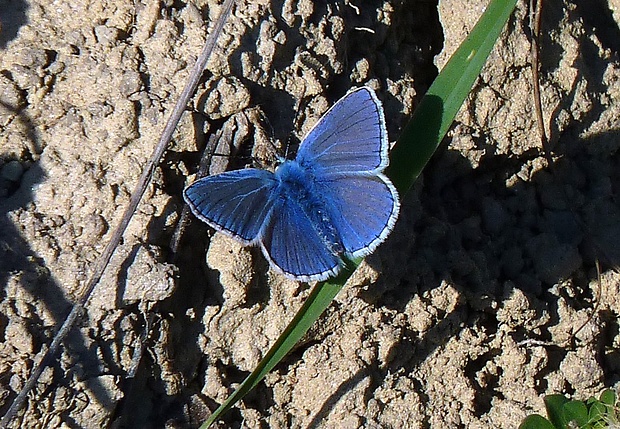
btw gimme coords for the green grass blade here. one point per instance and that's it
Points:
(417, 143)
(318, 300)
(436, 111)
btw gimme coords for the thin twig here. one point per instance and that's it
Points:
(144, 181)
(535, 19)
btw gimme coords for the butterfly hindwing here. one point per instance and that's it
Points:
(291, 243)
(350, 137)
(363, 209)
(235, 202)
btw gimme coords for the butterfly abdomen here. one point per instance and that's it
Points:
(299, 186)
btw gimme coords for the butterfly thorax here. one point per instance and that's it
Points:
(298, 185)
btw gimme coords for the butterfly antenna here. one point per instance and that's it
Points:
(296, 124)
(271, 140)
(264, 160)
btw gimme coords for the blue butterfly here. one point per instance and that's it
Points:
(331, 203)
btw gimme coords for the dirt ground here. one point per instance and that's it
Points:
(465, 317)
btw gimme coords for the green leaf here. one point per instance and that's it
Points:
(608, 397)
(554, 404)
(596, 411)
(414, 148)
(536, 421)
(576, 411)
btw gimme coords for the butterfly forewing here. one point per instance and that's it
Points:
(235, 202)
(292, 244)
(350, 137)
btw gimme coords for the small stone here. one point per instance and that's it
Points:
(56, 68)
(107, 36)
(131, 83)
(227, 97)
(582, 369)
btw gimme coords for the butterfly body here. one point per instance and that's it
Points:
(330, 203)
(299, 186)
